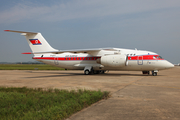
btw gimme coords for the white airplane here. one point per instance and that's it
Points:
(94, 61)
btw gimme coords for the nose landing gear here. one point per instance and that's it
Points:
(154, 73)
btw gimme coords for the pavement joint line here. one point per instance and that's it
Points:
(130, 83)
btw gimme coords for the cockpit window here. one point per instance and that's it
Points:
(160, 57)
(157, 57)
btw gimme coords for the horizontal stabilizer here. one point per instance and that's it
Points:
(20, 31)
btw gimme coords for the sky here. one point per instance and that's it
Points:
(152, 25)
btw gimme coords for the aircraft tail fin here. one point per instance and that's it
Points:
(36, 41)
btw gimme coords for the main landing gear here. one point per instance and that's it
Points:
(154, 72)
(145, 72)
(89, 70)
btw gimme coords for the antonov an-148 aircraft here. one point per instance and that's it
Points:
(94, 61)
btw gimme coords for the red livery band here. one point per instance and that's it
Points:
(143, 57)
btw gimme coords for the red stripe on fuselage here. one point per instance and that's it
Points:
(143, 57)
(66, 58)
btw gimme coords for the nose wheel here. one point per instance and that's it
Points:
(154, 73)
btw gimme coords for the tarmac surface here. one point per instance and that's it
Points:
(133, 96)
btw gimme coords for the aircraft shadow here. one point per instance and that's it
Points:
(59, 74)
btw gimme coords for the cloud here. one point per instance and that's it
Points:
(81, 9)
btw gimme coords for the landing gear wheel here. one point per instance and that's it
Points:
(145, 72)
(96, 72)
(102, 71)
(154, 73)
(86, 72)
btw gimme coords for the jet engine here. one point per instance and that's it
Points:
(113, 60)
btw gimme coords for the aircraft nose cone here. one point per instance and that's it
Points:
(169, 65)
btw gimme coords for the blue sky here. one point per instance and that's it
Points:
(151, 25)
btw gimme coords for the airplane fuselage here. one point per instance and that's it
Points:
(136, 60)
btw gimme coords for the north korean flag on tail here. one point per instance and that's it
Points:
(35, 41)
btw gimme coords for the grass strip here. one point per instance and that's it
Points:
(27, 103)
(28, 67)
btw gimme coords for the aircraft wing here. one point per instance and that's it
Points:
(88, 51)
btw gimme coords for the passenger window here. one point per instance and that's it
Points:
(154, 57)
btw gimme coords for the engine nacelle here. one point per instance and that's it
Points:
(113, 60)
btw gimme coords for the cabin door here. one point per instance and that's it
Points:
(56, 61)
(140, 60)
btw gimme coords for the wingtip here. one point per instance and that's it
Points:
(27, 53)
(6, 30)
